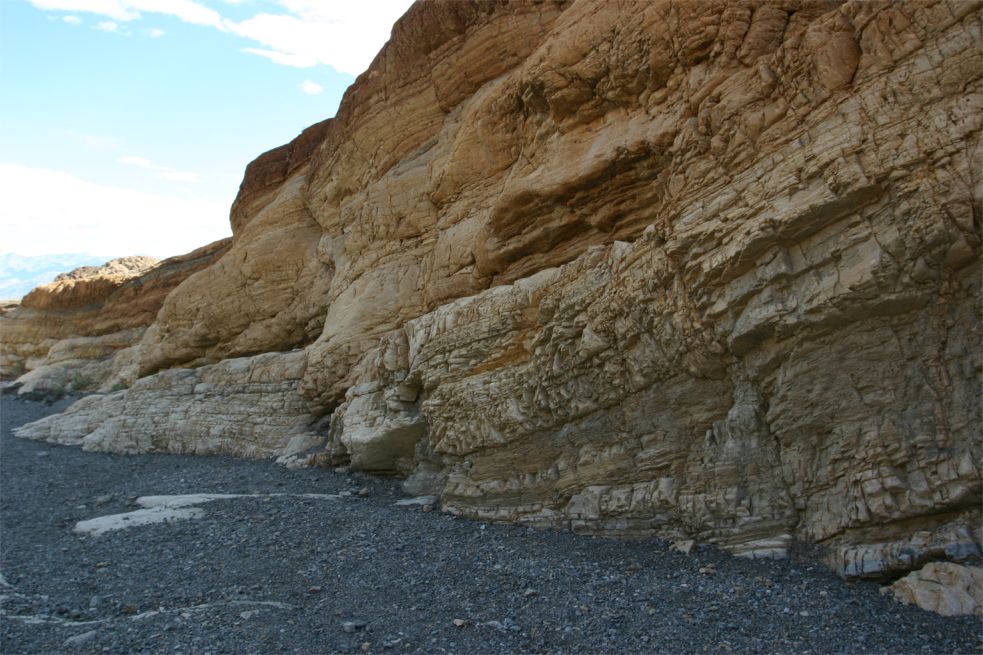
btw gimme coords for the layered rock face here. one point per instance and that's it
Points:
(703, 270)
(78, 330)
(268, 292)
(256, 397)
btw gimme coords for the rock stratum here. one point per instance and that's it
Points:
(704, 270)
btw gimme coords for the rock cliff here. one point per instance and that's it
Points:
(702, 270)
(77, 331)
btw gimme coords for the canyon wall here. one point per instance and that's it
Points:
(77, 332)
(705, 270)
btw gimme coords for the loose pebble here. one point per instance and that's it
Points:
(306, 575)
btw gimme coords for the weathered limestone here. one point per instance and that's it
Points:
(267, 293)
(707, 270)
(593, 396)
(942, 587)
(69, 334)
(247, 407)
(791, 349)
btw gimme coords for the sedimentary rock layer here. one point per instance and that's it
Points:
(942, 587)
(247, 407)
(707, 270)
(69, 332)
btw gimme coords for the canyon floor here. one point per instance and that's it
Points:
(302, 563)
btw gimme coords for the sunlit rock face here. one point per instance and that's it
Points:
(942, 587)
(248, 407)
(704, 270)
(77, 332)
(268, 292)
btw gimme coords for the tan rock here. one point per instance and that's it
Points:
(67, 334)
(942, 587)
(684, 384)
(268, 292)
(706, 270)
(247, 407)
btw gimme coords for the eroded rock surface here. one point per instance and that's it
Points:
(247, 407)
(942, 587)
(708, 270)
(76, 331)
(267, 293)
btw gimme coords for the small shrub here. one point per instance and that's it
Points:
(119, 386)
(80, 382)
(57, 392)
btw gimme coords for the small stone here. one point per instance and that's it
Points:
(804, 613)
(98, 501)
(428, 508)
(824, 593)
(417, 501)
(366, 646)
(348, 626)
(130, 609)
(458, 622)
(684, 546)
(709, 569)
(634, 567)
(529, 593)
(81, 639)
(363, 492)
(248, 614)
(101, 565)
(314, 590)
(342, 469)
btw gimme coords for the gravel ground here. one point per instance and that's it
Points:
(289, 574)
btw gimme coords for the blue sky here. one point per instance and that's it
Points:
(125, 125)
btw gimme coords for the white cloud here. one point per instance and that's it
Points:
(71, 20)
(311, 88)
(133, 160)
(186, 10)
(160, 172)
(86, 217)
(107, 26)
(94, 141)
(177, 176)
(127, 10)
(115, 9)
(297, 61)
(344, 35)
(156, 33)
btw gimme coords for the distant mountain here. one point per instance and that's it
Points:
(21, 273)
